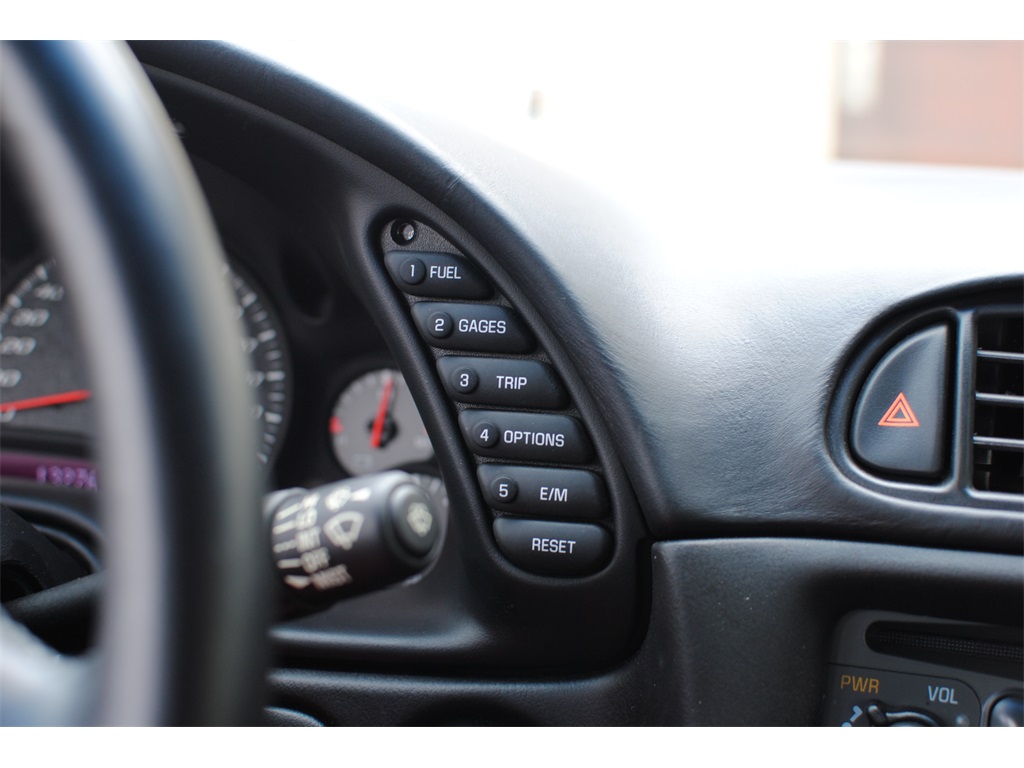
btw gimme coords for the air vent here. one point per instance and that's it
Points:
(999, 404)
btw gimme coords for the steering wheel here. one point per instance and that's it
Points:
(183, 619)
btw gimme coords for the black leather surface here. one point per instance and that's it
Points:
(751, 621)
(740, 634)
(714, 353)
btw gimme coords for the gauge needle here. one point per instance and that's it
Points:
(61, 398)
(382, 412)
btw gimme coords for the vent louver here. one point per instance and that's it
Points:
(999, 404)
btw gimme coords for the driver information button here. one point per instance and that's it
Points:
(543, 491)
(437, 275)
(526, 436)
(553, 549)
(471, 327)
(499, 381)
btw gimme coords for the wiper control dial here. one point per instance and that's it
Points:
(351, 537)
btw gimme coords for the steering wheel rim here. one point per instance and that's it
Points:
(183, 621)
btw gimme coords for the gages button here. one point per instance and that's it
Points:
(553, 549)
(472, 327)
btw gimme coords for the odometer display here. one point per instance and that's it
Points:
(58, 471)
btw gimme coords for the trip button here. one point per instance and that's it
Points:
(899, 424)
(543, 491)
(436, 275)
(471, 327)
(553, 549)
(497, 381)
(538, 437)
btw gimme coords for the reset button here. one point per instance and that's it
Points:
(553, 549)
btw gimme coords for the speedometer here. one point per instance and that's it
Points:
(43, 386)
(42, 382)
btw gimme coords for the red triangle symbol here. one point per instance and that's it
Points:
(899, 414)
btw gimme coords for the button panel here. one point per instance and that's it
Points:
(436, 275)
(540, 437)
(455, 308)
(553, 549)
(472, 327)
(502, 382)
(544, 491)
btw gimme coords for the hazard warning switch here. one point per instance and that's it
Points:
(899, 424)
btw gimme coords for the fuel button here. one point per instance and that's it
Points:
(437, 275)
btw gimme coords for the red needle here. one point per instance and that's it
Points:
(382, 412)
(74, 396)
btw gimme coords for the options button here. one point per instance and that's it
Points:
(526, 436)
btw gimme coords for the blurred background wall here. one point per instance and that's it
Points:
(931, 102)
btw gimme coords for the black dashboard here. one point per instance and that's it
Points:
(671, 466)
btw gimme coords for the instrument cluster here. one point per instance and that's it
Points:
(332, 407)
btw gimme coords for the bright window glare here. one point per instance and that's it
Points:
(609, 94)
(696, 132)
(626, 101)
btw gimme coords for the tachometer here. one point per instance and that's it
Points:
(263, 342)
(43, 386)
